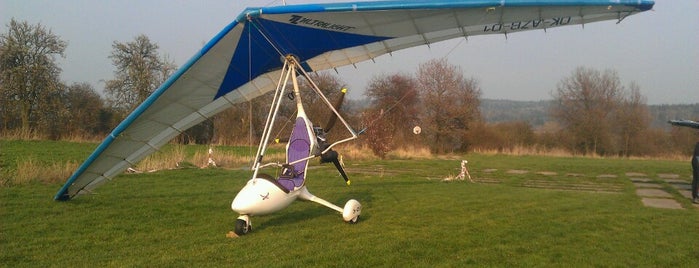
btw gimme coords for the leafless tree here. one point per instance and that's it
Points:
(395, 98)
(139, 71)
(449, 105)
(584, 104)
(505, 135)
(632, 120)
(379, 133)
(85, 108)
(29, 76)
(242, 124)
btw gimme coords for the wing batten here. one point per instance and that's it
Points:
(239, 64)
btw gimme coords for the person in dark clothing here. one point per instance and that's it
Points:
(695, 157)
(695, 174)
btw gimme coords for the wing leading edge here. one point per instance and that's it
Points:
(242, 61)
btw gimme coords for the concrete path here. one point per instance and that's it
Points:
(655, 193)
(659, 191)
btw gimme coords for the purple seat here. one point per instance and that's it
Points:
(299, 148)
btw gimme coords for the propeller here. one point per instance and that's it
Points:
(331, 121)
(332, 156)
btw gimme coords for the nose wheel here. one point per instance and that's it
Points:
(242, 225)
(351, 211)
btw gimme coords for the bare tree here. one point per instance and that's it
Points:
(397, 95)
(584, 104)
(379, 133)
(232, 127)
(29, 76)
(85, 107)
(449, 105)
(139, 71)
(506, 135)
(632, 120)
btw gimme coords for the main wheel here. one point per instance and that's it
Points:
(242, 227)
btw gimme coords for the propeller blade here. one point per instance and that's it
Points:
(333, 116)
(332, 156)
(341, 170)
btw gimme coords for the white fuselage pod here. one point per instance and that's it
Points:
(260, 197)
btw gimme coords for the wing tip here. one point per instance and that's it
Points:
(62, 197)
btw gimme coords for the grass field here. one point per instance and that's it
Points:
(518, 213)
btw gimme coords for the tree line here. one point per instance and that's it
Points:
(437, 107)
(34, 102)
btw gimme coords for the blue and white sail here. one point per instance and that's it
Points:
(243, 62)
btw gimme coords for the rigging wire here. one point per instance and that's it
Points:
(286, 123)
(453, 48)
(250, 101)
(261, 30)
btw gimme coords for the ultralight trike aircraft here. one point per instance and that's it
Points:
(264, 194)
(242, 62)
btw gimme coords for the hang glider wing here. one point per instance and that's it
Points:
(243, 61)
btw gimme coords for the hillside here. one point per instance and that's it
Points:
(536, 112)
(533, 112)
(662, 113)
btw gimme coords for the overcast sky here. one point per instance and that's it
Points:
(659, 49)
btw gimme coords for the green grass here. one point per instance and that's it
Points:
(33, 161)
(179, 218)
(46, 152)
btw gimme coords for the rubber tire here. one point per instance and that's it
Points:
(242, 227)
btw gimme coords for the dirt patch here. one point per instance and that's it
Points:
(641, 180)
(647, 185)
(486, 180)
(635, 174)
(607, 176)
(676, 181)
(681, 186)
(668, 176)
(489, 170)
(517, 171)
(686, 193)
(661, 203)
(577, 186)
(652, 193)
(379, 171)
(547, 173)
